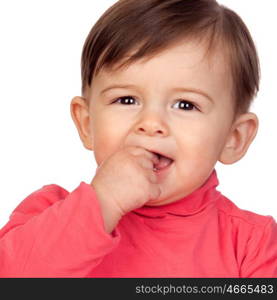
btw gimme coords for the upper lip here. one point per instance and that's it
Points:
(160, 153)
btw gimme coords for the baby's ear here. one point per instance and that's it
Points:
(243, 132)
(79, 110)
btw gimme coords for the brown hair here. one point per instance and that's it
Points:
(151, 26)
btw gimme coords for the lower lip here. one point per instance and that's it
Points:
(164, 170)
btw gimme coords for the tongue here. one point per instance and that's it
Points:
(163, 163)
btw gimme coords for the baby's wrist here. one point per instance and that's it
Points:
(110, 212)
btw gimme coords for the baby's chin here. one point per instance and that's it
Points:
(166, 198)
(162, 201)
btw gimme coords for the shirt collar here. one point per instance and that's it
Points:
(189, 205)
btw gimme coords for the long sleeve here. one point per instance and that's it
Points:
(261, 257)
(53, 233)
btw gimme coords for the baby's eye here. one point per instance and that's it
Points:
(128, 100)
(186, 105)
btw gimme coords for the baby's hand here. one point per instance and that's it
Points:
(125, 181)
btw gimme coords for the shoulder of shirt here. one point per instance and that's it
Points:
(41, 199)
(231, 210)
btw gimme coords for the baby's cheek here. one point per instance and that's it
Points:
(104, 147)
(196, 164)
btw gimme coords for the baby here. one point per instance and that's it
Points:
(186, 72)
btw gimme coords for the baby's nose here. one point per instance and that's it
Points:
(150, 131)
(152, 127)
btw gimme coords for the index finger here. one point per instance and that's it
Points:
(136, 150)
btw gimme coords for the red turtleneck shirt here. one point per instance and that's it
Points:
(54, 233)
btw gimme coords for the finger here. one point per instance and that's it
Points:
(154, 158)
(152, 177)
(136, 151)
(145, 163)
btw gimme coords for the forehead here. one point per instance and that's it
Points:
(187, 63)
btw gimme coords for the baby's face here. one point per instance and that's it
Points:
(177, 103)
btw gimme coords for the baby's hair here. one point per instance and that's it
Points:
(151, 26)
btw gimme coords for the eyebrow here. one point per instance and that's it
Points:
(177, 89)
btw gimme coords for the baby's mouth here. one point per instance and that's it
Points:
(163, 163)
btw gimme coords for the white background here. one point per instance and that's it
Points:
(40, 52)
